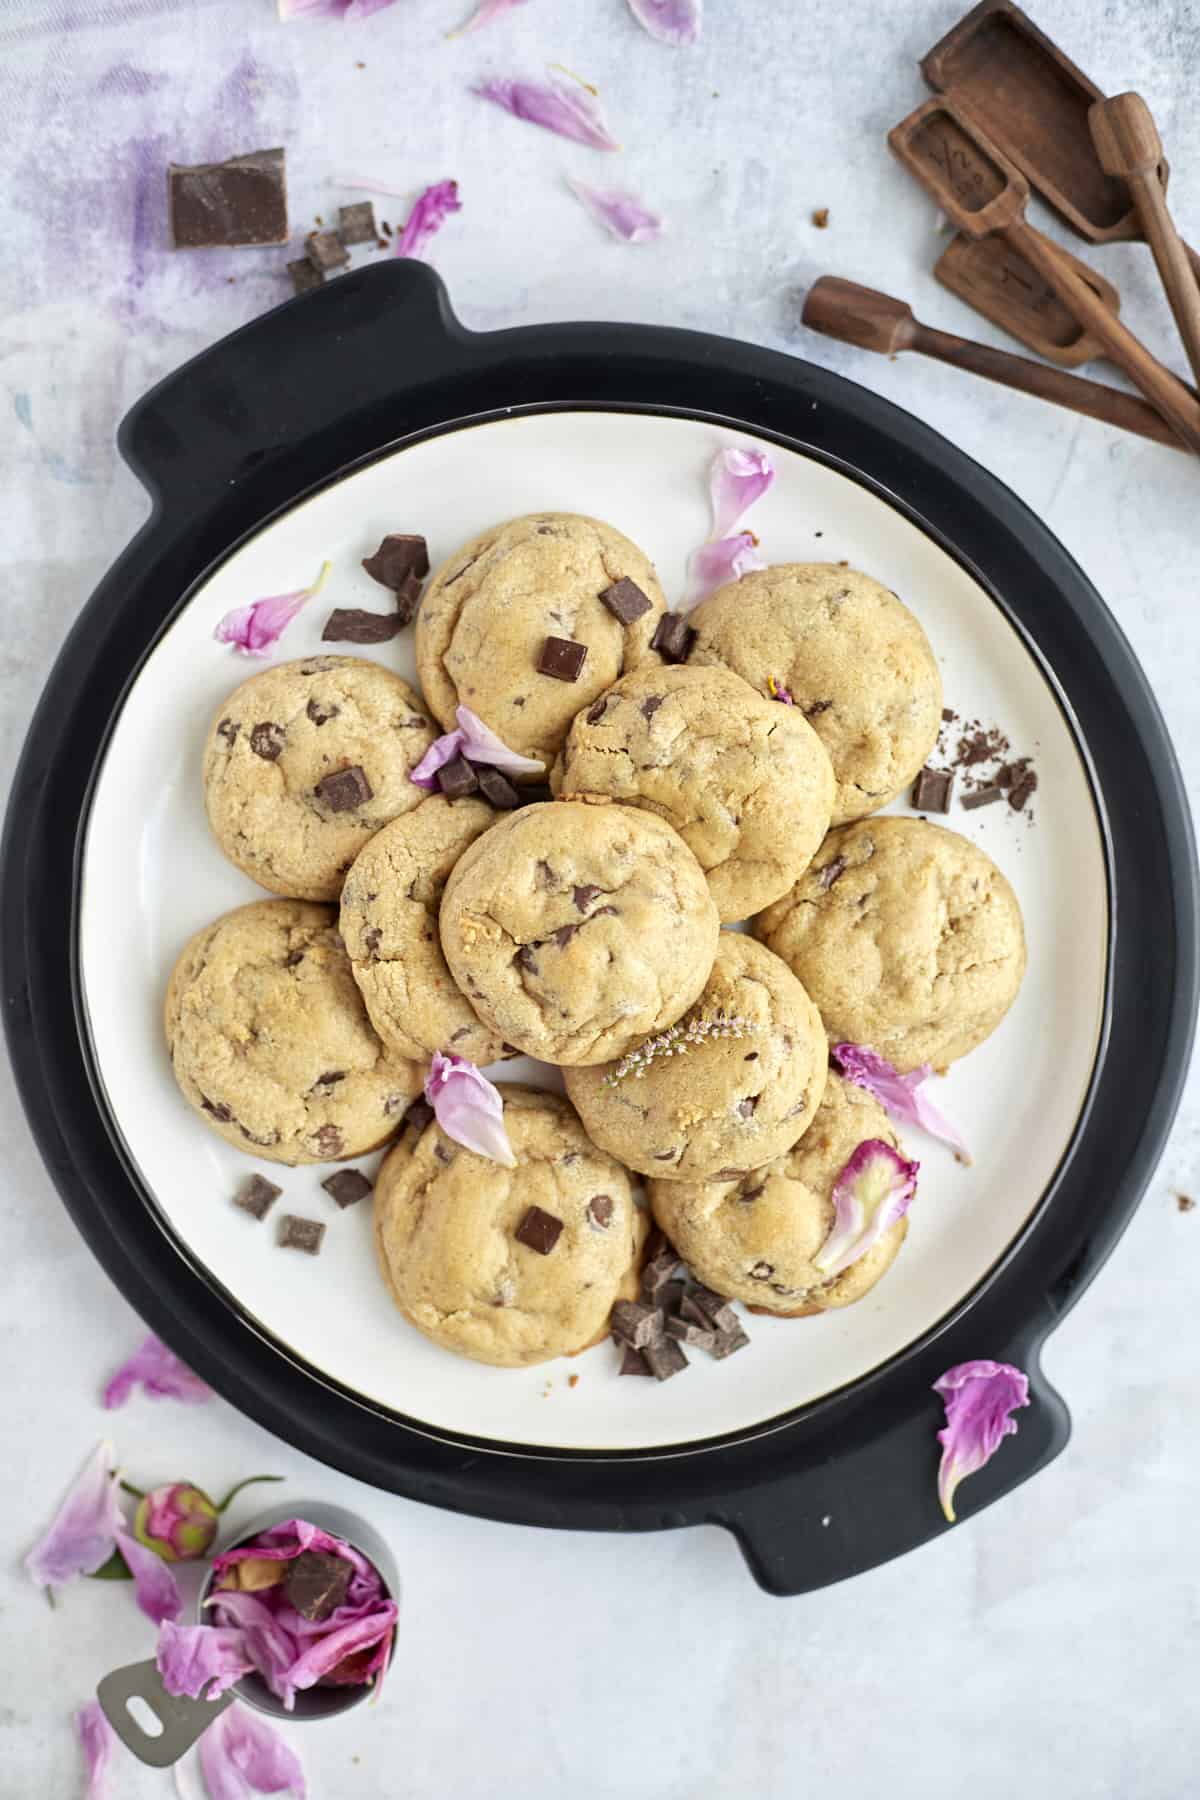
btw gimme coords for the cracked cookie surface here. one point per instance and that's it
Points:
(907, 936)
(389, 919)
(852, 655)
(724, 1104)
(271, 1044)
(755, 1239)
(576, 931)
(489, 609)
(445, 1231)
(287, 730)
(745, 781)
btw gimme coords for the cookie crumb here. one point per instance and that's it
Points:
(572, 1381)
(1185, 1203)
(820, 218)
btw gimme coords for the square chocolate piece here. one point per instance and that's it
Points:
(932, 789)
(673, 638)
(356, 223)
(304, 276)
(715, 1308)
(325, 250)
(539, 1231)
(625, 600)
(633, 1323)
(497, 788)
(633, 1362)
(563, 658)
(353, 625)
(345, 789)
(726, 1342)
(400, 555)
(665, 1358)
(219, 205)
(301, 1234)
(347, 1186)
(697, 1336)
(257, 1196)
(316, 1583)
(457, 779)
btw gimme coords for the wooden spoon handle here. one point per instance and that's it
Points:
(1169, 396)
(1174, 264)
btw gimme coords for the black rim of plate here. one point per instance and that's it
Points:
(292, 403)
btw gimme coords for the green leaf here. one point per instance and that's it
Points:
(115, 1569)
(249, 1482)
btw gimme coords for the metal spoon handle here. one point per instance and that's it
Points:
(182, 1720)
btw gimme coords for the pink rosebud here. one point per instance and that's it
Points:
(177, 1521)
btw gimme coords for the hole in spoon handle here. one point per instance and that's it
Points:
(182, 1720)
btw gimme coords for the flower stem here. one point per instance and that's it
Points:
(249, 1482)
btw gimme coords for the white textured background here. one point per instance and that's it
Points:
(1049, 1645)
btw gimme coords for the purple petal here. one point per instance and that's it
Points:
(778, 692)
(427, 217)
(154, 1585)
(620, 212)
(240, 1754)
(571, 111)
(350, 10)
(98, 1740)
(738, 478)
(978, 1396)
(443, 750)
(900, 1095)
(325, 1652)
(674, 22)
(728, 559)
(468, 1108)
(481, 745)
(271, 1647)
(160, 1374)
(255, 628)
(287, 1540)
(484, 14)
(875, 1188)
(84, 1529)
(190, 1657)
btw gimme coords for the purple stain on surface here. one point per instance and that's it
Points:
(124, 78)
(147, 166)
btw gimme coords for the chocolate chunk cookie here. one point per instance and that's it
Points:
(755, 1239)
(509, 1266)
(576, 931)
(305, 762)
(855, 660)
(738, 1082)
(745, 781)
(270, 1041)
(906, 935)
(389, 919)
(495, 618)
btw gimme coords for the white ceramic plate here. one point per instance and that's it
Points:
(152, 875)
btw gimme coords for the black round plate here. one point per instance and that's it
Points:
(339, 376)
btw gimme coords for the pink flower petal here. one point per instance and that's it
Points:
(571, 111)
(255, 628)
(902, 1096)
(349, 10)
(739, 477)
(159, 1373)
(287, 1540)
(271, 1647)
(875, 1188)
(712, 565)
(155, 1587)
(979, 1396)
(484, 14)
(620, 212)
(98, 1740)
(473, 739)
(190, 1657)
(324, 1653)
(240, 1754)
(674, 22)
(83, 1531)
(427, 217)
(468, 1108)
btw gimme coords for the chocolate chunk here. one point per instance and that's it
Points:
(228, 729)
(267, 740)
(257, 1196)
(353, 625)
(218, 1111)
(651, 704)
(563, 658)
(457, 779)
(418, 1116)
(300, 1234)
(316, 1583)
(345, 789)
(932, 789)
(726, 1342)
(401, 556)
(762, 1271)
(633, 1363)
(494, 787)
(745, 1108)
(685, 1331)
(715, 1309)
(444, 1155)
(984, 796)
(625, 600)
(665, 1358)
(1022, 790)
(600, 1211)
(597, 710)
(673, 638)
(324, 1083)
(325, 250)
(669, 1297)
(831, 872)
(242, 201)
(632, 1322)
(583, 896)
(328, 1140)
(659, 1270)
(320, 711)
(408, 598)
(304, 276)
(693, 1312)
(347, 1187)
(539, 1231)
(356, 222)
(525, 959)
(948, 715)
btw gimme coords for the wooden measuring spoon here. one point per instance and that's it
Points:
(1128, 145)
(994, 278)
(981, 192)
(874, 321)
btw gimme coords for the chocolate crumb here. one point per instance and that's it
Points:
(301, 1234)
(572, 1381)
(1022, 790)
(257, 1196)
(1185, 1203)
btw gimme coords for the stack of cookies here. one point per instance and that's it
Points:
(701, 772)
